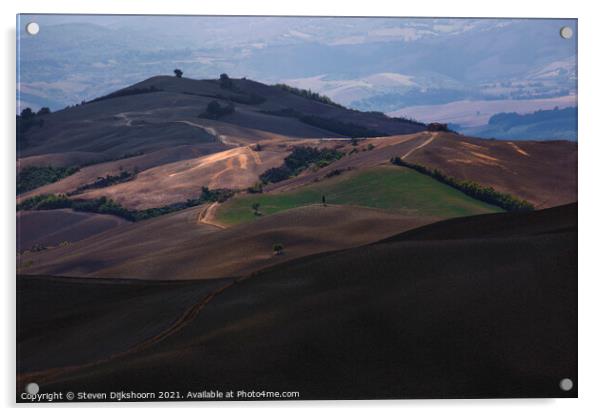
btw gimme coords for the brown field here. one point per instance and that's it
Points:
(89, 174)
(541, 172)
(59, 159)
(237, 168)
(178, 246)
(51, 228)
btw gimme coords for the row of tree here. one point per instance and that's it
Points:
(331, 124)
(472, 189)
(341, 127)
(300, 159)
(308, 94)
(105, 181)
(126, 92)
(33, 177)
(104, 205)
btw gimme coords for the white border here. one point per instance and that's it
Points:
(590, 155)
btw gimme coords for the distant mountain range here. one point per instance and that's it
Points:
(540, 125)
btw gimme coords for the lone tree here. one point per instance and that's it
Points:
(225, 81)
(255, 207)
(278, 249)
(178, 73)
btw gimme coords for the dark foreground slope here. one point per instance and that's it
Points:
(53, 227)
(487, 309)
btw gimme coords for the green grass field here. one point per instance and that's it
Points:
(392, 188)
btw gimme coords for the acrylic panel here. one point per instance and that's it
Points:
(295, 208)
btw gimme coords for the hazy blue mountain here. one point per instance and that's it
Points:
(543, 125)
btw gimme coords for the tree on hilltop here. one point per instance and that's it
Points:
(225, 81)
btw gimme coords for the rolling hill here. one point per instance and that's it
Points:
(162, 112)
(151, 145)
(402, 284)
(182, 246)
(464, 308)
(159, 130)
